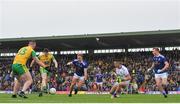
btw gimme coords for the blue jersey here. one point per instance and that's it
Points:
(80, 67)
(99, 78)
(159, 63)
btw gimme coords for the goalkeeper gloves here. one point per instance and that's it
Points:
(119, 80)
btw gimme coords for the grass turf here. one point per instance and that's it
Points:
(140, 98)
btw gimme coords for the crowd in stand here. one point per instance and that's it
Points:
(136, 62)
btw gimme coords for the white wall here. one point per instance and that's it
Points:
(26, 18)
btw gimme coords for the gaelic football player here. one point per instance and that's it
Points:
(20, 70)
(80, 75)
(160, 66)
(122, 79)
(47, 58)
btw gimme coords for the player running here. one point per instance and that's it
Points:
(80, 75)
(122, 79)
(46, 57)
(160, 66)
(99, 81)
(20, 70)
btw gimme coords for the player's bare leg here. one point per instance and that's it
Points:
(99, 88)
(160, 87)
(164, 84)
(113, 90)
(74, 80)
(28, 82)
(15, 88)
(79, 85)
(43, 84)
(118, 89)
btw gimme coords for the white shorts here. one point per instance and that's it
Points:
(162, 75)
(99, 83)
(125, 82)
(78, 77)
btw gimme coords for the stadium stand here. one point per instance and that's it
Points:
(137, 61)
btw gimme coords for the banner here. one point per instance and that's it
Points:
(158, 92)
(67, 92)
(95, 92)
(7, 92)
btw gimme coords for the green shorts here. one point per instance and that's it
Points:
(43, 70)
(19, 69)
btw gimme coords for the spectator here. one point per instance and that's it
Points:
(137, 63)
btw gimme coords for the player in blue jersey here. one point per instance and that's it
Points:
(99, 81)
(160, 66)
(80, 75)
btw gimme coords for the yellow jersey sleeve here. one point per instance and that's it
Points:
(33, 54)
(23, 55)
(46, 59)
(52, 57)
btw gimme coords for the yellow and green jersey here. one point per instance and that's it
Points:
(46, 59)
(23, 55)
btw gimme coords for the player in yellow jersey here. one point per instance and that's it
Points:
(46, 57)
(20, 70)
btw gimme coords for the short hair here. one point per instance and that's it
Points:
(32, 41)
(46, 50)
(118, 61)
(156, 49)
(79, 54)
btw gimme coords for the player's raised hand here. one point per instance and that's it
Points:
(159, 70)
(69, 63)
(149, 70)
(11, 74)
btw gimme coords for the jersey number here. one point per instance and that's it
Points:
(22, 51)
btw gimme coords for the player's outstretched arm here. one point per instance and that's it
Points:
(85, 74)
(166, 66)
(55, 63)
(39, 62)
(32, 63)
(69, 63)
(35, 58)
(151, 67)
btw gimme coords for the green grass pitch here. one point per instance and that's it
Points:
(139, 98)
